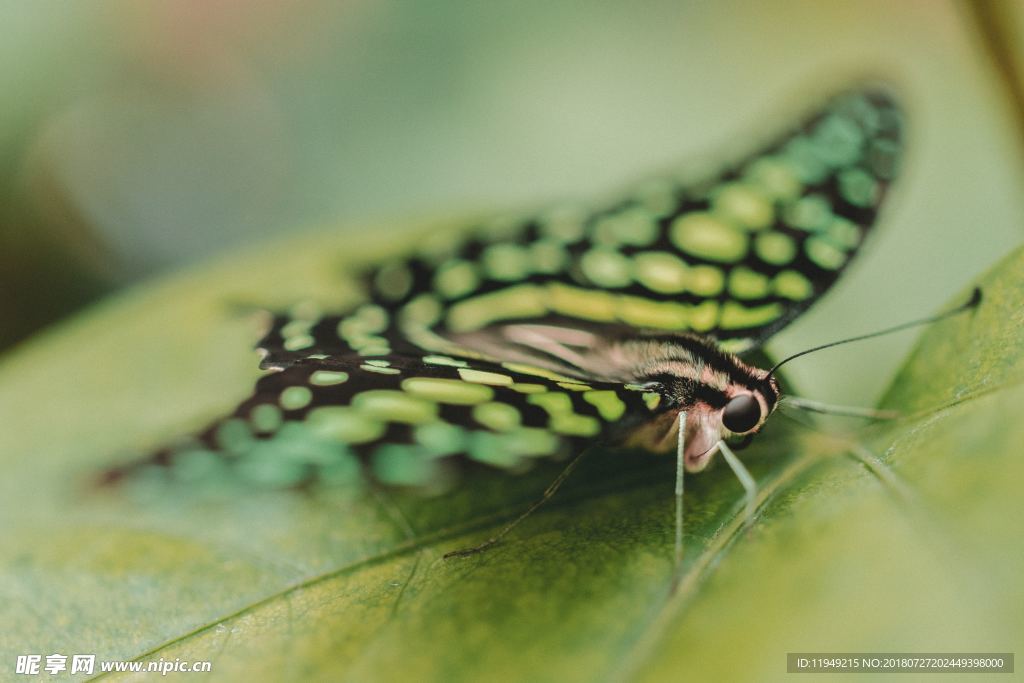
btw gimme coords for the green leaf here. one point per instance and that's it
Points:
(911, 546)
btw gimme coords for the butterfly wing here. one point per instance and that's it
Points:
(735, 257)
(405, 418)
(444, 360)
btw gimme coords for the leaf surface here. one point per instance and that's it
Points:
(911, 545)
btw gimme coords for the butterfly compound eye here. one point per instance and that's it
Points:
(741, 414)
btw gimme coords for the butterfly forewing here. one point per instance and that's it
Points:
(488, 348)
(735, 257)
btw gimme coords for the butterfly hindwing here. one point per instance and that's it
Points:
(407, 419)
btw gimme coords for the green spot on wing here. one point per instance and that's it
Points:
(423, 310)
(607, 402)
(553, 403)
(508, 262)
(492, 449)
(703, 316)
(838, 140)
(497, 416)
(298, 342)
(505, 450)
(842, 233)
(810, 213)
(326, 378)
(441, 438)
(344, 424)
(587, 303)
(447, 390)
(803, 157)
(660, 272)
(575, 425)
(705, 280)
(266, 417)
(393, 281)
(858, 187)
(744, 204)
(295, 398)
(532, 442)
(606, 268)
(372, 319)
(367, 321)
(574, 386)
(524, 388)
(518, 301)
(822, 253)
(455, 279)
(548, 256)
(736, 316)
(396, 406)
(379, 370)
(642, 312)
(483, 377)
(708, 237)
(775, 248)
(792, 285)
(295, 328)
(776, 178)
(747, 284)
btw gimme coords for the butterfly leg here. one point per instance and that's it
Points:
(749, 485)
(548, 493)
(395, 513)
(881, 470)
(680, 469)
(844, 411)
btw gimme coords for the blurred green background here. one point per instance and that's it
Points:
(137, 138)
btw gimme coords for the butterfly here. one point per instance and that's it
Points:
(536, 336)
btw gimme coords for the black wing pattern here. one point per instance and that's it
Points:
(415, 378)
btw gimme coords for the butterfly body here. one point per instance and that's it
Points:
(537, 335)
(689, 372)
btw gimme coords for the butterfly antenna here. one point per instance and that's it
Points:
(842, 411)
(971, 304)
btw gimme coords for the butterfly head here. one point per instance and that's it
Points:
(721, 396)
(740, 411)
